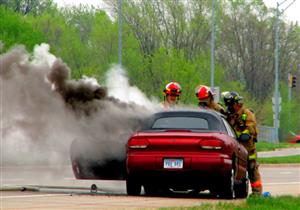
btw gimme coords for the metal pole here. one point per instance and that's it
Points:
(212, 56)
(276, 96)
(289, 88)
(277, 48)
(289, 99)
(120, 32)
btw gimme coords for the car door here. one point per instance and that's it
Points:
(241, 167)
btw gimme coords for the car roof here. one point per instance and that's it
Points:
(214, 118)
(188, 112)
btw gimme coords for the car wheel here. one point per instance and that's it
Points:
(228, 190)
(194, 192)
(154, 189)
(242, 189)
(80, 166)
(151, 190)
(133, 186)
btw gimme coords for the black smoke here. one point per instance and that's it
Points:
(43, 111)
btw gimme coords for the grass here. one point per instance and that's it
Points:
(265, 146)
(282, 159)
(252, 203)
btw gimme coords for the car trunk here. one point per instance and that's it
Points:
(171, 150)
(178, 157)
(175, 141)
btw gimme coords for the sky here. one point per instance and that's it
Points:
(291, 13)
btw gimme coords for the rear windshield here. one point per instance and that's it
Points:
(192, 123)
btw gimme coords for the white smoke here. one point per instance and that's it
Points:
(118, 86)
(90, 80)
(42, 56)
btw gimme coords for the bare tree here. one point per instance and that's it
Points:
(247, 47)
(173, 24)
(25, 7)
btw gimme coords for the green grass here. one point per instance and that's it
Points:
(252, 203)
(265, 146)
(283, 159)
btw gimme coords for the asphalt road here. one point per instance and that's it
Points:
(54, 187)
(281, 152)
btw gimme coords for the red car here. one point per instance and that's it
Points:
(187, 150)
(295, 139)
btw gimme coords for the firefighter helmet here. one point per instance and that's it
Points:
(173, 88)
(231, 98)
(203, 92)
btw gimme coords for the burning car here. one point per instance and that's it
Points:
(187, 150)
(178, 150)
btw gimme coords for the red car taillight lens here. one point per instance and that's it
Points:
(213, 144)
(138, 143)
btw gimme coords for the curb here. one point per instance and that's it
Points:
(37, 188)
(20, 188)
(59, 187)
(76, 190)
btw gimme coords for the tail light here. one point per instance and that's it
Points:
(213, 144)
(138, 143)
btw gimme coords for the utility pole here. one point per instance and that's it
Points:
(120, 32)
(212, 43)
(289, 97)
(277, 99)
(276, 92)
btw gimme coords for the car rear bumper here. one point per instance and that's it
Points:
(202, 171)
(215, 163)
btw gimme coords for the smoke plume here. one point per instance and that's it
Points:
(43, 111)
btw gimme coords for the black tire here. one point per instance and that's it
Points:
(242, 189)
(79, 164)
(133, 186)
(195, 192)
(80, 169)
(155, 189)
(151, 190)
(228, 189)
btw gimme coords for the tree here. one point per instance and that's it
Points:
(24, 7)
(179, 25)
(247, 47)
(16, 29)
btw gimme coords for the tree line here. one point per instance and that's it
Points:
(166, 40)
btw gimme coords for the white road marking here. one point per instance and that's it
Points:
(32, 196)
(285, 172)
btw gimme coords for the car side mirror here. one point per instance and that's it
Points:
(244, 137)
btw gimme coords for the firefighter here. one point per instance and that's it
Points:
(172, 92)
(227, 99)
(243, 121)
(206, 99)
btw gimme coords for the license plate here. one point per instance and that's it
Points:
(173, 163)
